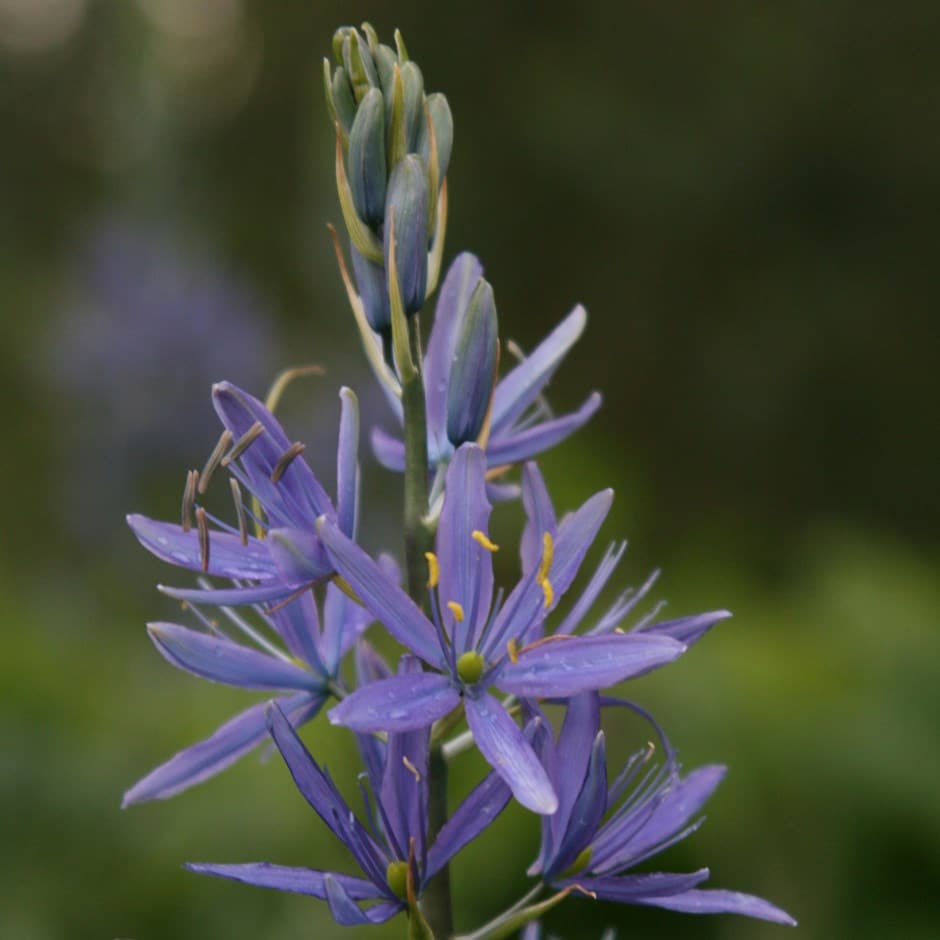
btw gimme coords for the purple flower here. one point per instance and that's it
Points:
(471, 642)
(519, 424)
(266, 556)
(291, 653)
(599, 833)
(393, 849)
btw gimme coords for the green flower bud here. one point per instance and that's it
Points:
(414, 102)
(443, 122)
(407, 201)
(473, 374)
(359, 64)
(366, 163)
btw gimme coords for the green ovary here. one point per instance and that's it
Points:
(470, 667)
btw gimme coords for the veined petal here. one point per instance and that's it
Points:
(466, 567)
(298, 624)
(299, 556)
(576, 534)
(508, 446)
(475, 813)
(713, 901)
(522, 385)
(389, 451)
(261, 593)
(630, 888)
(228, 558)
(619, 845)
(347, 463)
(207, 758)
(462, 275)
(564, 666)
(386, 601)
(222, 660)
(347, 913)
(298, 494)
(576, 743)
(344, 621)
(540, 516)
(686, 630)
(506, 750)
(307, 881)
(319, 791)
(399, 703)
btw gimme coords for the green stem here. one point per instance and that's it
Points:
(437, 899)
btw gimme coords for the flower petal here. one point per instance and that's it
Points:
(261, 593)
(299, 556)
(298, 624)
(466, 567)
(474, 814)
(686, 630)
(389, 451)
(564, 666)
(386, 601)
(347, 913)
(713, 901)
(462, 275)
(344, 621)
(222, 660)
(506, 750)
(522, 385)
(575, 743)
(399, 703)
(207, 758)
(307, 881)
(508, 446)
(540, 516)
(631, 888)
(228, 558)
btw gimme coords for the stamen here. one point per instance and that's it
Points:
(189, 499)
(214, 459)
(243, 443)
(512, 648)
(434, 570)
(239, 510)
(457, 610)
(548, 591)
(480, 538)
(548, 553)
(203, 523)
(411, 767)
(284, 461)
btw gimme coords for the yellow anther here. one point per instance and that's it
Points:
(411, 767)
(548, 554)
(512, 648)
(548, 591)
(434, 570)
(456, 610)
(480, 537)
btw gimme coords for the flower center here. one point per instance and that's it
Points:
(580, 863)
(396, 876)
(470, 666)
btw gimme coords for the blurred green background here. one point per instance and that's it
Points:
(745, 197)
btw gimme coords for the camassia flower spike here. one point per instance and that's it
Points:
(599, 833)
(472, 643)
(509, 418)
(393, 852)
(294, 649)
(266, 556)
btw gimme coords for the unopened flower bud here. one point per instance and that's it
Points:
(373, 291)
(443, 122)
(407, 203)
(366, 164)
(473, 374)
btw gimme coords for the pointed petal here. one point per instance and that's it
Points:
(506, 750)
(508, 446)
(474, 814)
(564, 666)
(347, 913)
(466, 567)
(344, 621)
(675, 808)
(686, 630)
(299, 556)
(630, 888)
(222, 660)
(708, 901)
(387, 602)
(575, 745)
(319, 791)
(307, 881)
(298, 624)
(228, 558)
(207, 758)
(298, 495)
(389, 451)
(400, 703)
(266, 591)
(540, 516)
(522, 385)
(462, 275)
(347, 463)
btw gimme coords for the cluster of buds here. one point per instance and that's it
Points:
(393, 146)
